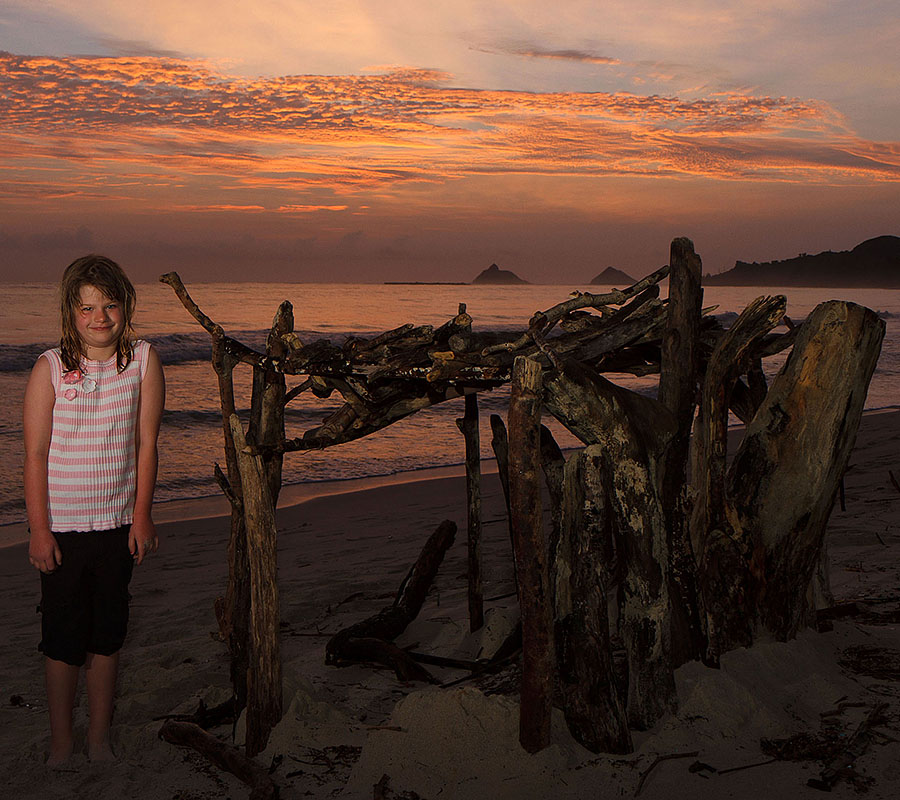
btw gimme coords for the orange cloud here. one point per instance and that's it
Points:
(140, 130)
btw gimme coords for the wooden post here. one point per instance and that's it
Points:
(531, 555)
(594, 710)
(264, 673)
(677, 390)
(234, 620)
(469, 427)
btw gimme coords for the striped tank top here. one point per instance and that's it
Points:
(91, 465)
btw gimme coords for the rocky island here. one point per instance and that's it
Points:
(613, 277)
(493, 274)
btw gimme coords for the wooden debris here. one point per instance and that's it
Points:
(372, 638)
(468, 425)
(656, 762)
(230, 759)
(531, 555)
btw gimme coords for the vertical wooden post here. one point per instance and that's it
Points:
(234, 621)
(531, 555)
(469, 427)
(677, 390)
(264, 702)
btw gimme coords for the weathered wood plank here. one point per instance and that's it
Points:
(468, 425)
(679, 371)
(531, 555)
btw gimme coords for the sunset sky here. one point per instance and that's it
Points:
(400, 140)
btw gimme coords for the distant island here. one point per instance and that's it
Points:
(874, 263)
(493, 274)
(425, 283)
(614, 277)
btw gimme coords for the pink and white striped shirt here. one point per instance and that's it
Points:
(91, 466)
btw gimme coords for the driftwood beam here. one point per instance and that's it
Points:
(372, 639)
(544, 320)
(187, 734)
(679, 370)
(531, 556)
(468, 425)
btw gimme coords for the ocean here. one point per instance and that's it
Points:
(191, 433)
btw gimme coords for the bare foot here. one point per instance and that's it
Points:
(102, 752)
(60, 752)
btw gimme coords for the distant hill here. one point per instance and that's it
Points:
(874, 263)
(614, 277)
(493, 274)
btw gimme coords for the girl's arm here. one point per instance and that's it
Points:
(43, 550)
(142, 539)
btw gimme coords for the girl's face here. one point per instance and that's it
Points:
(99, 321)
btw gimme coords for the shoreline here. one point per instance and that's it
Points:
(216, 506)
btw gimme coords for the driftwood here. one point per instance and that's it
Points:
(723, 573)
(230, 759)
(703, 563)
(634, 432)
(264, 697)
(468, 425)
(372, 639)
(584, 573)
(785, 476)
(531, 555)
(679, 371)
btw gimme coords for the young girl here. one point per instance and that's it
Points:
(92, 412)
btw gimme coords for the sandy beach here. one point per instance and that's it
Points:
(342, 558)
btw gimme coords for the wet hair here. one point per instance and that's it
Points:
(107, 276)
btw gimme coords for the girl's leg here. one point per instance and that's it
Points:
(100, 679)
(61, 680)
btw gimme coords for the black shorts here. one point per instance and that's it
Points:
(84, 601)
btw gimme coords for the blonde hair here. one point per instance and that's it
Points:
(107, 276)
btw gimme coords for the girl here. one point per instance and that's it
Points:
(92, 412)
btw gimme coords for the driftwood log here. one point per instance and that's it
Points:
(230, 759)
(468, 426)
(371, 640)
(530, 549)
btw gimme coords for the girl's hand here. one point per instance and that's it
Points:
(43, 552)
(142, 539)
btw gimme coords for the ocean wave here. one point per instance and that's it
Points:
(173, 348)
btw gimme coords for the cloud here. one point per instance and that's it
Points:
(163, 132)
(535, 51)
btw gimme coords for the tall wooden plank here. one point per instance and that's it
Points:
(531, 555)
(468, 425)
(677, 390)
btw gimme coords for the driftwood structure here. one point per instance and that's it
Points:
(654, 533)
